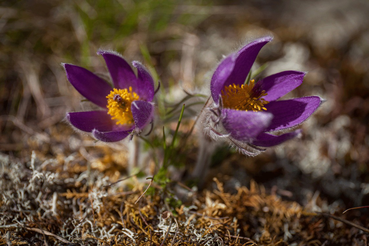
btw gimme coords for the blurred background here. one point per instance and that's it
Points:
(181, 43)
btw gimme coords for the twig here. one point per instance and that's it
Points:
(221, 240)
(8, 226)
(345, 221)
(134, 224)
(93, 212)
(139, 211)
(143, 219)
(120, 180)
(8, 239)
(48, 234)
(125, 193)
(121, 214)
(175, 234)
(97, 239)
(43, 233)
(184, 186)
(246, 238)
(209, 217)
(349, 209)
(166, 235)
(152, 178)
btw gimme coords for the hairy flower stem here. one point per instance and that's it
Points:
(206, 149)
(134, 158)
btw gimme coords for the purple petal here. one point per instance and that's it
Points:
(245, 59)
(120, 71)
(290, 113)
(245, 125)
(88, 120)
(268, 140)
(88, 84)
(142, 113)
(278, 85)
(111, 136)
(220, 76)
(145, 83)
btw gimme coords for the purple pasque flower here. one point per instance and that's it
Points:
(247, 114)
(127, 108)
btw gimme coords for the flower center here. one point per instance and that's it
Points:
(119, 105)
(242, 97)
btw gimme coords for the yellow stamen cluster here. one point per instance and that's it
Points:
(242, 97)
(119, 105)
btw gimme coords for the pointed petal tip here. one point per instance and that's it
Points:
(264, 39)
(101, 52)
(267, 38)
(319, 100)
(139, 65)
(295, 71)
(322, 100)
(136, 63)
(67, 120)
(108, 52)
(67, 65)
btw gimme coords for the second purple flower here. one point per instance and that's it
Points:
(247, 114)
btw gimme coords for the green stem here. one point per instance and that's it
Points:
(179, 122)
(168, 151)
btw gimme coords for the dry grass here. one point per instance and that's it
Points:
(48, 202)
